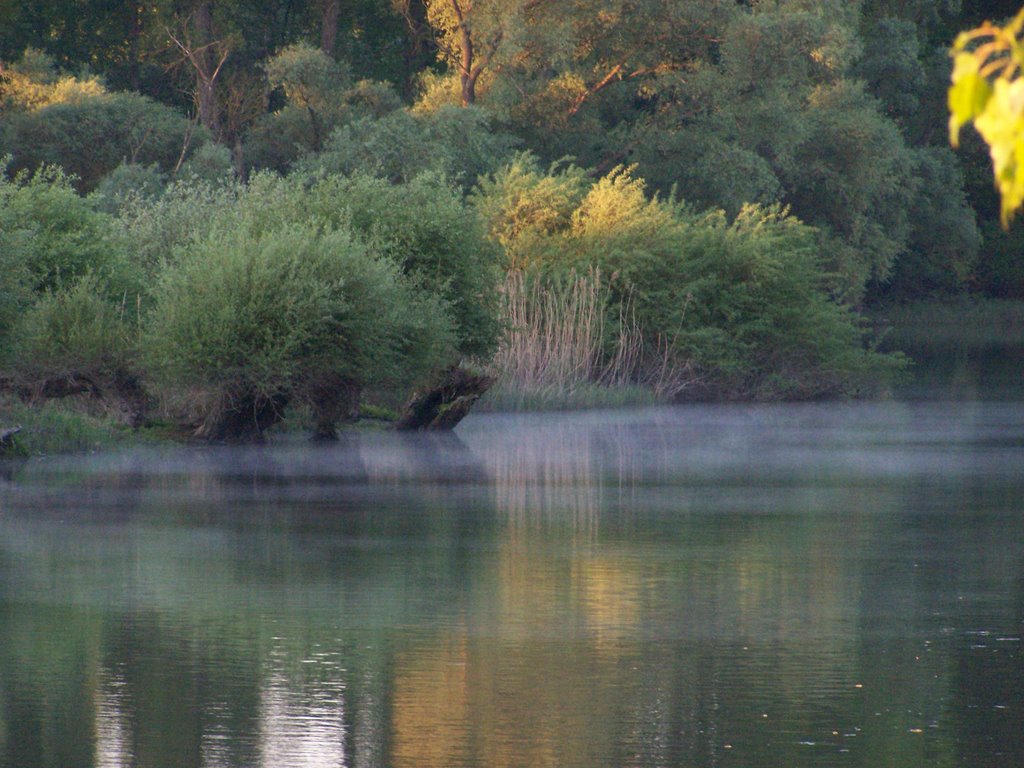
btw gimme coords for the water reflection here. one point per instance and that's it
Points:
(755, 586)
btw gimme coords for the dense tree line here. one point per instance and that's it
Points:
(744, 174)
(834, 109)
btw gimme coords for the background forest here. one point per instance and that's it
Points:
(233, 206)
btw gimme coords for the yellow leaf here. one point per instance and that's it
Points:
(968, 96)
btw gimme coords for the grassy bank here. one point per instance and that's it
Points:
(58, 427)
(579, 397)
(965, 320)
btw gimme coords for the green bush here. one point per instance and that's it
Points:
(211, 163)
(51, 234)
(92, 136)
(708, 171)
(423, 227)
(128, 180)
(15, 286)
(427, 229)
(251, 317)
(459, 143)
(154, 231)
(74, 330)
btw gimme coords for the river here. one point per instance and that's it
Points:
(826, 584)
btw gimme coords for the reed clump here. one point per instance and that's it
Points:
(570, 343)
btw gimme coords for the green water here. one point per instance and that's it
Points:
(795, 585)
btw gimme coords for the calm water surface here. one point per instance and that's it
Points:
(797, 585)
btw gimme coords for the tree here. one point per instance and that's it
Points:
(777, 119)
(195, 39)
(49, 117)
(467, 33)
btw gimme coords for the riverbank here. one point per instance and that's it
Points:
(57, 426)
(68, 426)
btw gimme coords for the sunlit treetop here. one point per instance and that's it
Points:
(988, 90)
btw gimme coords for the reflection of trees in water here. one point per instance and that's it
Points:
(113, 727)
(988, 644)
(294, 472)
(560, 476)
(302, 711)
(599, 616)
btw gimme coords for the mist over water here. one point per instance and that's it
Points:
(803, 585)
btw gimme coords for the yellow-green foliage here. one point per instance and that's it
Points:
(987, 89)
(33, 83)
(740, 305)
(521, 202)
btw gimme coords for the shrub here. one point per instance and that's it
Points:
(72, 331)
(15, 286)
(254, 318)
(741, 308)
(459, 143)
(153, 232)
(115, 127)
(211, 163)
(128, 180)
(53, 234)
(424, 227)
(521, 202)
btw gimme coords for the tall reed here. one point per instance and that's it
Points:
(567, 344)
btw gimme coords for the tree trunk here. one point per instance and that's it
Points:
(241, 418)
(332, 399)
(444, 406)
(467, 77)
(206, 68)
(330, 13)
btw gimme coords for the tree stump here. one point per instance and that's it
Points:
(442, 407)
(7, 438)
